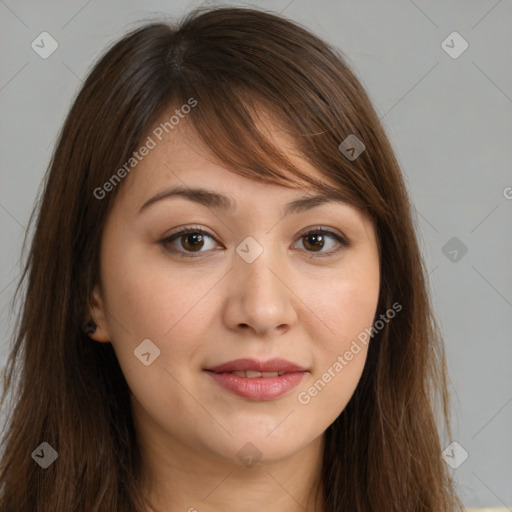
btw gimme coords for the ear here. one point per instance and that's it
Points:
(97, 314)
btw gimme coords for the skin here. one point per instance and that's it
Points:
(290, 303)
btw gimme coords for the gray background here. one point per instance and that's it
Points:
(448, 119)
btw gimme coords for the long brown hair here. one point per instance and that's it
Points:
(383, 452)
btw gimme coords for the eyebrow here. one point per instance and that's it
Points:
(219, 201)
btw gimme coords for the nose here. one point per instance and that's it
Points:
(260, 296)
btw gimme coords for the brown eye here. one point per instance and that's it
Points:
(316, 239)
(187, 241)
(192, 241)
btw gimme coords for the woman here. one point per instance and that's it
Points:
(226, 304)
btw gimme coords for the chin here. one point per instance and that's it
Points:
(267, 445)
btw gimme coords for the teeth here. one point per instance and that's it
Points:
(252, 374)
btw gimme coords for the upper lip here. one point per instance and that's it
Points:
(271, 365)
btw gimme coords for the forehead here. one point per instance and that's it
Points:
(181, 158)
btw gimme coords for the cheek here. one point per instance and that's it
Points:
(144, 297)
(350, 311)
(147, 301)
(137, 301)
(346, 307)
(343, 349)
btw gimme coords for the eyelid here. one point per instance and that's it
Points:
(343, 241)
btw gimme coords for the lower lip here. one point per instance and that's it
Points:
(259, 388)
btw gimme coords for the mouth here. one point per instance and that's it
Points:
(253, 374)
(257, 380)
(255, 368)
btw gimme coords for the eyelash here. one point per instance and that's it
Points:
(189, 230)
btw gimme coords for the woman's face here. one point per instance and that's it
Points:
(251, 286)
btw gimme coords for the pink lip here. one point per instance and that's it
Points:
(272, 365)
(258, 388)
